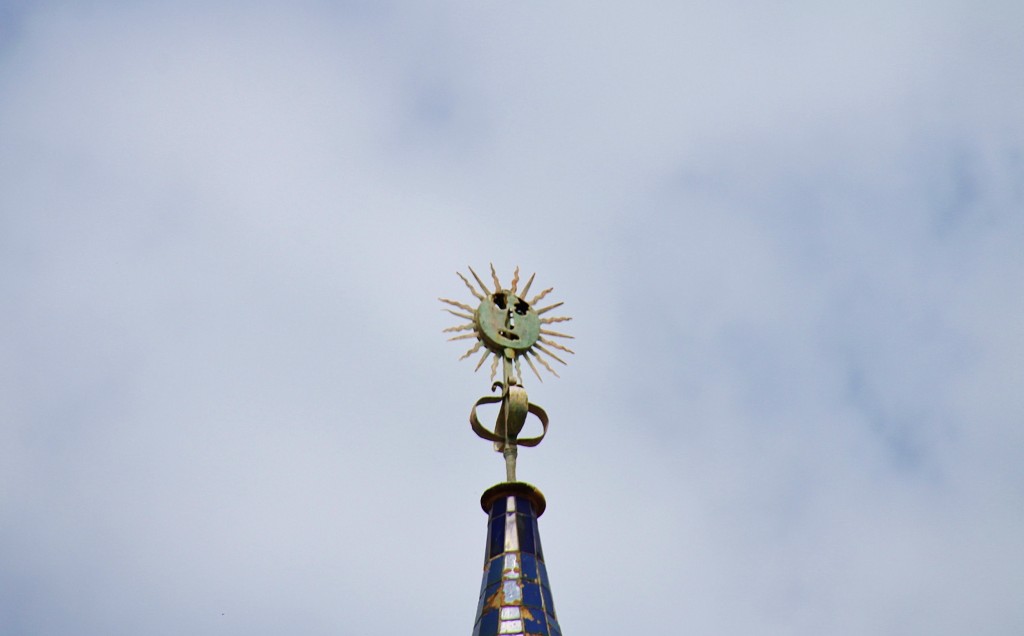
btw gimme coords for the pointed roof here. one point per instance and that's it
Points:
(515, 594)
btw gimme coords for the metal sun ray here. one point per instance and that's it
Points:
(539, 297)
(480, 282)
(472, 289)
(515, 279)
(487, 352)
(542, 349)
(541, 360)
(465, 327)
(552, 343)
(475, 348)
(494, 276)
(548, 321)
(456, 303)
(541, 312)
(526, 290)
(548, 332)
(533, 368)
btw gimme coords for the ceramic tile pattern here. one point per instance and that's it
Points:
(515, 596)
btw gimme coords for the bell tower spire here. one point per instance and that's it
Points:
(515, 594)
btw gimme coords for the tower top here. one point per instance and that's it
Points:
(509, 328)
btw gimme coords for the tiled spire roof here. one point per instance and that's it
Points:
(515, 595)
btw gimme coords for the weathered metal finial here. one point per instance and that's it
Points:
(508, 327)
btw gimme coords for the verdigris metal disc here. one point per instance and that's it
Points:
(506, 321)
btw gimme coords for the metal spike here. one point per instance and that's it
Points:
(471, 288)
(482, 358)
(487, 292)
(548, 321)
(547, 332)
(462, 337)
(541, 348)
(526, 290)
(497, 283)
(455, 313)
(475, 348)
(552, 343)
(465, 327)
(546, 365)
(515, 279)
(533, 368)
(541, 295)
(549, 308)
(456, 303)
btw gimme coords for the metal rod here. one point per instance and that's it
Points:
(510, 453)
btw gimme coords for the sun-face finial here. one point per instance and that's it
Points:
(508, 327)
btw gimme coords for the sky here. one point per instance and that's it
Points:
(789, 236)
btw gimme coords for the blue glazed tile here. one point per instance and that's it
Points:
(532, 596)
(549, 603)
(524, 526)
(494, 571)
(535, 623)
(553, 627)
(488, 592)
(490, 589)
(536, 532)
(543, 573)
(529, 567)
(498, 507)
(496, 540)
(523, 505)
(489, 623)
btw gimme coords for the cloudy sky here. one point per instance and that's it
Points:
(790, 235)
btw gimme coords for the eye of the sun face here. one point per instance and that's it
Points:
(506, 325)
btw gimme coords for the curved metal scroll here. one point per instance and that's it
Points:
(511, 418)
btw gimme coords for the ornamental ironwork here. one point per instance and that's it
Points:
(508, 327)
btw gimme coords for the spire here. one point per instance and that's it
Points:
(515, 595)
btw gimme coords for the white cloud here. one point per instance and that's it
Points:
(790, 240)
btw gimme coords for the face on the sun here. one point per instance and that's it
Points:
(506, 321)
